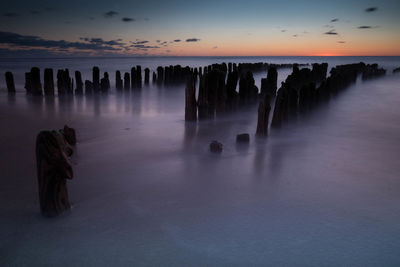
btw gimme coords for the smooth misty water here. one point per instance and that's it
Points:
(322, 191)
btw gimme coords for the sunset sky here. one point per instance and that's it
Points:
(199, 28)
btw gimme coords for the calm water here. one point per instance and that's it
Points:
(322, 191)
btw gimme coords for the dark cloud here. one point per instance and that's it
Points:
(10, 14)
(49, 9)
(334, 20)
(329, 26)
(283, 30)
(100, 41)
(146, 19)
(110, 14)
(371, 9)
(366, 27)
(341, 42)
(158, 41)
(177, 40)
(164, 43)
(215, 47)
(26, 41)
(192, 40)
(295, 35)
(35, 12)
(331, 32)
(141, 46)
(126, 19)
(140, 42)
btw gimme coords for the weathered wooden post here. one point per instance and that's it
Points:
(10, 82)
(127, 83)
(48, 82)
(146, 75)
(53, 168)
(78, 82)
(118, 80)
(96, 79)
(35, 80)
(190, 100)
(264, 109)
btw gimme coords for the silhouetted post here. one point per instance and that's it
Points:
(10, 82)
(190, 100)
(35, 80)
(48, 82)
(88, 87)
(146, 75)
(96, 79)
(105, 83)
(133, 77)
(127, 82)
(264, 109)
(28, 82)
(138, 76)
(118, 80)
(154, 77)
(79, 82)
(160, 75)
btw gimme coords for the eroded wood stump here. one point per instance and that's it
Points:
(53, 170)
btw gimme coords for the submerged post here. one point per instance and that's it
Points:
(10, 82)
(190, 100)
(264, 109)
(48, 82)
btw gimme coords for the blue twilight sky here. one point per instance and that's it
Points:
(124, 27)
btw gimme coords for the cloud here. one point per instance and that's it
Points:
(35, 12)
(141, 46)
(329, 26)
(49, 9)
(341, 42)
(158, 41)
(100, 41)
(177, 40)
(146, 19)
(371, 9)
(126, 19)
(331, 32)
(283, 30)
(192, 40)
(366, 27)
(27, 41)
(140, 42)
(215, 47)
(295, 35)
(10, 15)
(110, 14)
(334, 20)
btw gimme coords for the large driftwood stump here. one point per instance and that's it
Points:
(53, 170)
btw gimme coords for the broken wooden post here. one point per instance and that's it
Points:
(146, 75)
(264, 109)
(190, 100)
(10, 82)
(96, 78)
(127, 83)
(35, 81)
(53, 168)
(48, 81)
(118, 80)
(78, 82)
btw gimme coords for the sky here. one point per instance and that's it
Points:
(199, 28)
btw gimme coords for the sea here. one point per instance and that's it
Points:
(324, 190)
